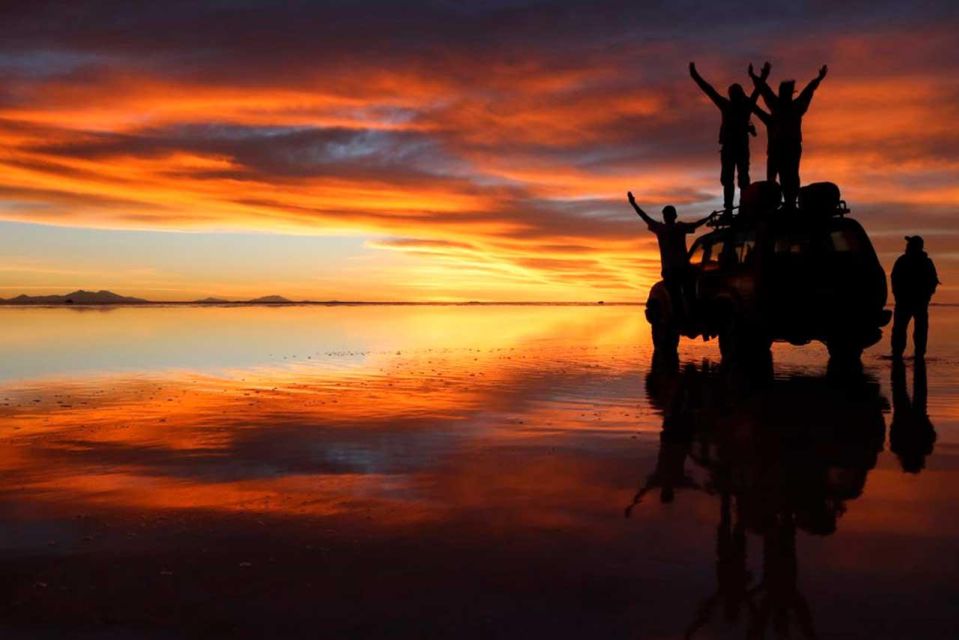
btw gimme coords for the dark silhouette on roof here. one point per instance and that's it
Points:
(784, 129)
(734, 132)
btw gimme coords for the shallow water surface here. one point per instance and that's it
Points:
(464, 471)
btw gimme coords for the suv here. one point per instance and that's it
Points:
(768, 273)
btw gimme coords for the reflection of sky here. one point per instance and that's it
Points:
(471, 459)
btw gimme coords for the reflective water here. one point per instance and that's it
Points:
(464, 471)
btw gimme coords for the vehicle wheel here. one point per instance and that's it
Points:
(665, 334)
(665, 338)
(845, 350)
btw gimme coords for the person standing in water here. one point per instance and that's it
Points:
(734, 131)
(784, 129)
(914, 280)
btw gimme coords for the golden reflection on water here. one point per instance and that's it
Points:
(482, 425)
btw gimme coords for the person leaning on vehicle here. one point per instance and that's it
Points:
(914, 280)
(673, 253)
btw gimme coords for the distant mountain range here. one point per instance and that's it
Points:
(77, 297)
(90, 298)
(108, 297)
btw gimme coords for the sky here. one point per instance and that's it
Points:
(437, 150)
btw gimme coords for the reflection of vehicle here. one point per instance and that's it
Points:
(769, 274)
(782, 456)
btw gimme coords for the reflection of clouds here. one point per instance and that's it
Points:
(389, 428)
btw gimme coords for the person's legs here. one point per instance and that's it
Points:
(726, 176)
(742, 169)
(920, 330)
(675, 282)
(900, 321)
(771, 163)
(789, 174)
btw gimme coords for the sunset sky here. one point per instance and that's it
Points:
(437, 150)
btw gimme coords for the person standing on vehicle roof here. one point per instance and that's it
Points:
(914, 280)
(673, 253)
(784, 129)
(734, 131)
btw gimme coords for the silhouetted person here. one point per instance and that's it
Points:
(914, 280)
(912, 436)
(673, 253)
(734, 131)
(784, 130)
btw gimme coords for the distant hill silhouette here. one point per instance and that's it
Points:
(211, 300)
(77, 297)
(270, 300)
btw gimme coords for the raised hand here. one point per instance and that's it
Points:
(764, 72)
(692, 69)
(629, 196)
(752, 72)
(823, 71)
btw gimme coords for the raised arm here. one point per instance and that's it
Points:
(759, 82)
(701, 222)
(763, 74)
(706, 87)
(806, 96)
(762, 115)
(642, 214)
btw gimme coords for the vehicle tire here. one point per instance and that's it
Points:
(845, 349)
(665, 338)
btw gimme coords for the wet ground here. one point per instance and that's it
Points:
(464, 472)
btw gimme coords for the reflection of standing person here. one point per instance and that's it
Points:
(673, 395)
(912, 436)
(784, 130)
(914, 280)
(673, 254)
(734, 131)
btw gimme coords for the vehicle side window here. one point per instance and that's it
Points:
(716, 250)
(697, 254)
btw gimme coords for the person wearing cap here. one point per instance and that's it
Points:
(914, 280)
(673, 253)
(734, 131)
(784, 129)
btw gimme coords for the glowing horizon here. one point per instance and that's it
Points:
(197, 152)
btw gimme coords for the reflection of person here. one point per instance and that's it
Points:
(671, 393)
(734, 131)
(783, 455)
(911, 434)
(914, 280)
(784, 129)
(673, 253)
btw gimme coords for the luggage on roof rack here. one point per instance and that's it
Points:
(758, 198)
(822, 198)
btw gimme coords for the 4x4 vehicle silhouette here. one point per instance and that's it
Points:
(768, 273)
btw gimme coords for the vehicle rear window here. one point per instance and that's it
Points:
(844, 241)
(789, 245)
